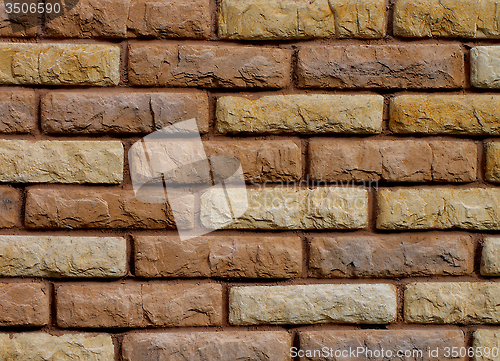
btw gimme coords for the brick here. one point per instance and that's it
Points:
(439, 208)
(100, 208)
(120, 113)
(208, 66)
(18, 112)
(307, 114)
(62, 256)
(42, 346)
(50, 161)
(490, 257)
(277, 19)
(452, 302)
(312, 304)
(17, 25)
(474, 19)
(377, 342)
(24, 304)
(413, 66)
(208, 346)
(139, 305)
(390, 256)
(219, 256)
(10, 207)
(487, 342)
(484, 66)
(282, 208)
(393, 160)
(59, 64)
(493, 162)
(477, 114)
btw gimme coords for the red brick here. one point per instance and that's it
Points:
(17, 111)
(10, 206)
(17, 25)
(24, 304)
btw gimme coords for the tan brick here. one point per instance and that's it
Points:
(414, 66)
(24, 304)
(439, 208)
(375, 343)
(390, 256)
(490, 258)
(59, 64)
(218, 256)
(63, 256)
(449, 18)
(311, 304)
(51, 161)
(487, 343)
(17, 25)
(278, 19)
(17, 111)
(308, 114)
(477, 114)
(209, 66)
(100, 208)
(139, 305)
(452, 302)
(208, 346)
(393, 160)
(493, 162)
(10, 207)
(42, 346)
(484, 66)
(121, 113)
(282, 208)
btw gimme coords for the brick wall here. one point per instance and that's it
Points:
(381, 118)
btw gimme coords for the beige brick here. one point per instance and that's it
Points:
(282, 208)
(493, 162)
(308, 114)
(59, 64)
(24, 304)
(208, 346)
(484, 66)
(312, 304)
(17, 111)
(278, 19)
(50, 161)
(218, 256)
(447, 18)
(487, 343)
(452, 302)
(476, 114)
(390, 256)
(42, 346)
(139, 305)
(208, 66)
(490, 257)
(10, 207)
(439, 208)
(63, 256)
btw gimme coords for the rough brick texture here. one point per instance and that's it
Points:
(490, 258)
(17, 112)
(10, 207)
(24, 304)
(488, 342)
(485, 62)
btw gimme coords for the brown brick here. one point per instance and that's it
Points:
(208, 346)
(393, 160)
(10, 206)
(17, 111)
(24, 304)
(121, 113)
(390, 256)
(417, 342)
(381, 66)
(493, 162)
(98, 208)
(139, 305)
(209, 66)
(228, 256)
(17, 25)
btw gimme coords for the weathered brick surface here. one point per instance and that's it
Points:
(17, 111)
(16, 25)
(282, 208)
(414, 66)
(208, 346)
(307, 114)
(10, 207)
(278, 19)
(493, 162)
(139, 305)
(42, 346)
(474, 114)
(390, 256)
(208, 66)
(439, 208)
(452, 302)
(490, 257)
(484, 70)
(218, 256)
(120, 113)
(63, 256)
(311, 304)
(24, 304)
(393, 160)
(59, 64)
(488, 342)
